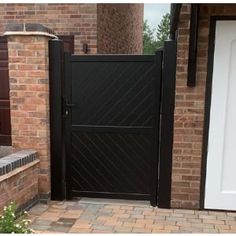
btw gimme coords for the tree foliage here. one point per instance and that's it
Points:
(149, 43)
(154, 39)
(163, 29)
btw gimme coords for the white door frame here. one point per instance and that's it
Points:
(208, 93)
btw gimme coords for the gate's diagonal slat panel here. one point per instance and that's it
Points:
(130, 102)
(104, 91)
(98, 163)
(133, 167)
(84, 166)
(138, 154)
(82, 181)
(106, 80)
(131, 116)
(116, 162)
(126, 97)
(111, 126)
(109, 98)
(106, 162)
(141, 117)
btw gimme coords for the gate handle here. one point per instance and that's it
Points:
(70, 105)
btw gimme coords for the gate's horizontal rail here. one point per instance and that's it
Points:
(111, 58)
(113, 129)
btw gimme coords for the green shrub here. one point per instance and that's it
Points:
(12, 223)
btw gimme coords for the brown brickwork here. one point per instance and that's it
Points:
(65, 19)
(116, 27)
(20, 185)
(120, 28)
(29, 99)
(189, 107)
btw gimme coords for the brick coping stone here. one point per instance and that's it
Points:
(16, 160)
(28, 29)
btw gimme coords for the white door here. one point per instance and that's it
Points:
(220, 192)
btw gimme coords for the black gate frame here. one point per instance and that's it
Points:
(57, 103)
(158, 57)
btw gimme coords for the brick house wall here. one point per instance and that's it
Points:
(120, 28)
(120, 32)
(79, 20)
(189, 107)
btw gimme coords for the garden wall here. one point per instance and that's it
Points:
(19, 176)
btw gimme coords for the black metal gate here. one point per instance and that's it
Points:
(116, 121)
(112, 109)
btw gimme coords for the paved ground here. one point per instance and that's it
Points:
(118, 216)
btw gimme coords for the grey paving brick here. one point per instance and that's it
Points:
(63, 229)
(40, 227)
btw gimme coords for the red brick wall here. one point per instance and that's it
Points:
(120, 28)
(65, 19)
(29, 99)
(189, 108)
(20, 185)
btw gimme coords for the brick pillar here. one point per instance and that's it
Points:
(188, 123)
(120, 28)
(29, 94)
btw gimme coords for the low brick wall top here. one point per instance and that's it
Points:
(16, 160)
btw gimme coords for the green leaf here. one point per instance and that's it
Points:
(10, 223)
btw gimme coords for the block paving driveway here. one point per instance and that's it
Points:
(120, 216)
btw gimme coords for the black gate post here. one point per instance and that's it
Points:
(56, 135)
(158, 61)
(167, 124)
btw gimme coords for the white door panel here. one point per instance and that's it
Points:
(220, 192)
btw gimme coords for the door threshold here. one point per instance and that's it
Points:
(113, 201)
